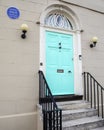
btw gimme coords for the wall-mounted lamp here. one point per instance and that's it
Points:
(94, 40)
(24, 28)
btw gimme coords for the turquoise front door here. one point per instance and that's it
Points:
(59, 63)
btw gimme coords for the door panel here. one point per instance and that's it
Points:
(59, 63)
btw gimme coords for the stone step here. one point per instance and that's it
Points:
(99, 128)
(70, 105)
(83, 123)
(71, 97)
(78, 113)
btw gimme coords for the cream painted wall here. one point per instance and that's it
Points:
(19, 59)
(19, 65)
(97, 5)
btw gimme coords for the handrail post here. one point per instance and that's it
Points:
(90, 83)
(102, 101)
(94, 95)
(84, 86)
(98, 98)
(52, 115)
(60, 119)
(87, 86)
(91, 90)
(50, 120)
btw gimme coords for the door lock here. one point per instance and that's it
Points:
(69, 71)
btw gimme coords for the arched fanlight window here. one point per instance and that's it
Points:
(58, 20)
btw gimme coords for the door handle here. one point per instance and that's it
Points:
(69, 71)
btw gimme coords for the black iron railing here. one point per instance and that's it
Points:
(93, 92)
(52, 115)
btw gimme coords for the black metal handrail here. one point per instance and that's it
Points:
(52, 115)
(93, 92)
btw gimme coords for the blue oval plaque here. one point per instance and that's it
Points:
(13, 13)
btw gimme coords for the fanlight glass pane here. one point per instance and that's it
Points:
(58, 20)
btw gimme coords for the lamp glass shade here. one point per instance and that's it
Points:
(24, 27)
(94, 39)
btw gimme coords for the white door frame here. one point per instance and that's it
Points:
(78, 89)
